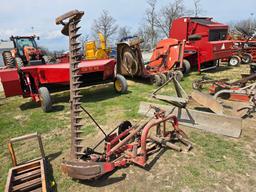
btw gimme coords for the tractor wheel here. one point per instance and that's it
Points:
(247, 58)
(156, 80)
(8, 59)
(47, 59)
(120, 84)
(234, 61)
(178, 75)
(46, 102)
(186, 67)
(163, 78)
(19, 62)
(197, 86)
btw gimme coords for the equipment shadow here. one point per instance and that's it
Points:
(105, 180)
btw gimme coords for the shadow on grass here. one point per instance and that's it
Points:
(105, 180)
(94, 94)
(219, 69)
(51, 183)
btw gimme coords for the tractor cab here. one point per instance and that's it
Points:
(26, 50)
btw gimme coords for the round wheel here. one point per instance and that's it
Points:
(186, 66)
(178, 75)
(156, 80)
(19, 62)
(8, 59)
(129, 62)
(247, 58)
(163, 78)
(46, 102)
(196, 85)
(234, 61)
(120, 84)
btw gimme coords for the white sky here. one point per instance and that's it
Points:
(18, 16)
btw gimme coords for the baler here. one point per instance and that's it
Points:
(211, 45)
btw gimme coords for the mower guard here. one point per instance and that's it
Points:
(210, 122)
(86, 170)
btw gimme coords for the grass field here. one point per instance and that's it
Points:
(216, 163)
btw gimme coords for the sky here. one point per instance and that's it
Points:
(25, 17)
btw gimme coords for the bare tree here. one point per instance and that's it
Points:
(106, 25)
(197, 8)
(169, 13)
(150, 27)
(123, 32)
(83, 39)
(246, 27)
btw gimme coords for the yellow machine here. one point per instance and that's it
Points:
(92, 52)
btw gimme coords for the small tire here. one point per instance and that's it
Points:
(197, 86)
(19, 62)
(45, 97)
(234, 61)
(246, 58)
(163, 78)
(120, 84)
(179, 75)
(186, 67)
(156, 80)
(9, 61)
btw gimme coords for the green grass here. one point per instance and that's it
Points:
(213, 160)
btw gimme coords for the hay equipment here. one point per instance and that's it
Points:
(201, 117)
(126, 143)
(166, 58)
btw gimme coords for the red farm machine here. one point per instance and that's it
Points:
(211, 45)
(167, 57)
(28, 74)
(127, 143)
(25, 52)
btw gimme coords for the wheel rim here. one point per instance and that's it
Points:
(246, 59)
(233, 61)
(118, 85)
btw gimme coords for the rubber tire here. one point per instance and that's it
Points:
(8, 59)
(46, 101)
(123, 83)
(247, 59)
(19, 62)
(186, 67)
(179, 75)
(237, 59)
(163, 78)
(47, 59)
(156, 80)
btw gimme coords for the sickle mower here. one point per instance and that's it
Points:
(127, 143)
(166, 58)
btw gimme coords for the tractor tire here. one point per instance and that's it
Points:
(46, 101)
(197, 86)
(247, 58)
(156, 80)
(19, 62)
(47, 59)
(178, 75)
(186, 67)
(234, 61)
(163, 78)
(9, 61)
(120, 84)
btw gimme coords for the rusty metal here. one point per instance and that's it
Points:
(30, 175)
(70, 28)
(196, 118)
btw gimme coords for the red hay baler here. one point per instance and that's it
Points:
(211, 45)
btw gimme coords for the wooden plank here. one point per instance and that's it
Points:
(32, 184)
(27, 176)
